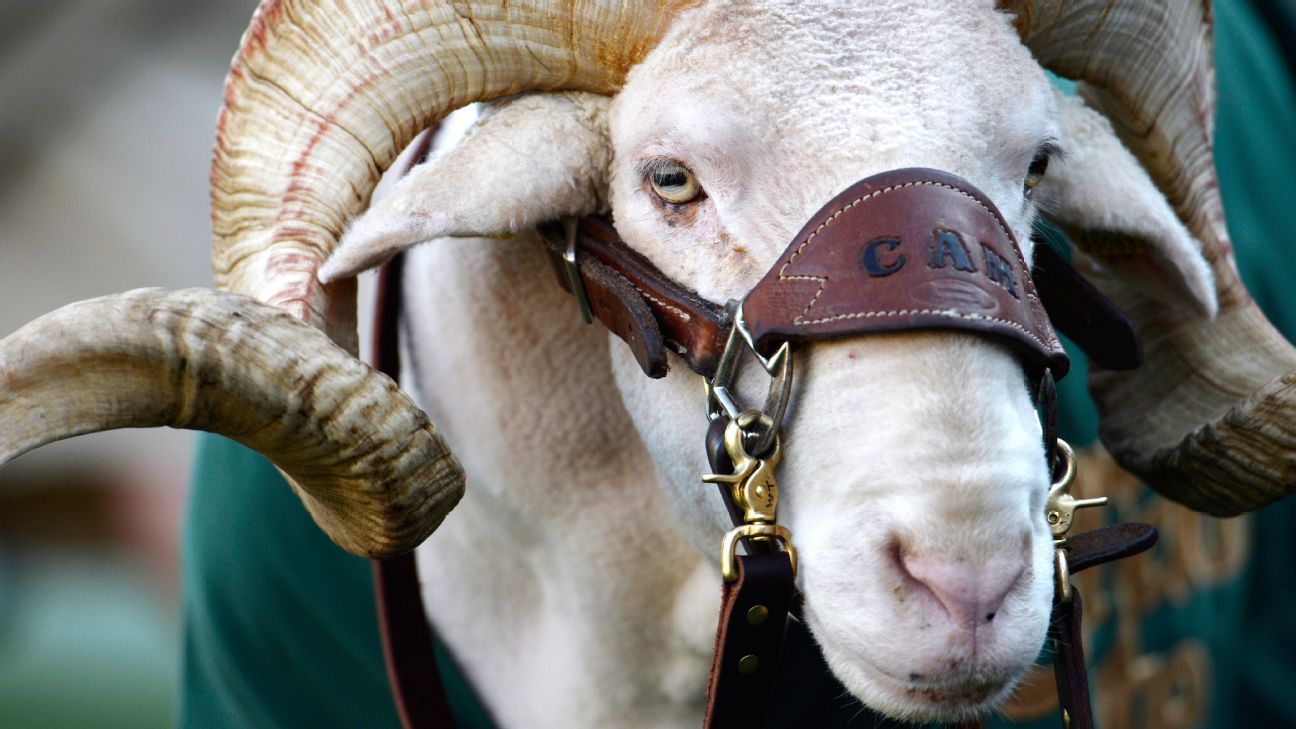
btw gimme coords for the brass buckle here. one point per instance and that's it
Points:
(1059, 512)
(729, 546)
(754, 489)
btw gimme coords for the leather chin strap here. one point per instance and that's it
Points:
(906, 250)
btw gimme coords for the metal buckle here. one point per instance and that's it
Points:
(754, 489)
(1059, 512)
(570, 226)
(720, 401)
(751, 439)
(729, 546)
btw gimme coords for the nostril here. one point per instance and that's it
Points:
(968, 591)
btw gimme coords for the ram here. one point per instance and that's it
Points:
(575, 581)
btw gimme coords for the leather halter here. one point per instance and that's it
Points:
(917, 283)
(906, 250)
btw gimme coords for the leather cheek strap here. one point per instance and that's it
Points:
(1083, 313)
(639, 303)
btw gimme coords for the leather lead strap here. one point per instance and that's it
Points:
(1048, 404)
(1083, 551)
(407, 639)
(1067, 643)
(753, 620)
(749, 640)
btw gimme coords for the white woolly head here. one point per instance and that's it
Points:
(913, 477)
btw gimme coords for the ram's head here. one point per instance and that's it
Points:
(914, 477)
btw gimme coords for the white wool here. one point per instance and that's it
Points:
(577, 581)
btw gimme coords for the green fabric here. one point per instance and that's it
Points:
(279, 624)
(1256, 153)
(280, 628)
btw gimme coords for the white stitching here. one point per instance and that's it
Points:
(823, 280)
(935, 312)
(686, 316)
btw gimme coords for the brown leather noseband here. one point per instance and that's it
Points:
(906, 250)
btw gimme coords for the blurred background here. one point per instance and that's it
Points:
(107, 110)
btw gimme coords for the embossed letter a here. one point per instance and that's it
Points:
(947, 246)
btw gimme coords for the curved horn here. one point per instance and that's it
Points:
(1208, 419)
(362, 457)
(324, 94)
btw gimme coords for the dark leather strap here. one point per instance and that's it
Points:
(403, 627)
(420, 698)
(1065, 638)
(407, 638)
(1108, 544)
(1069, 670)
(749, 640)
(639, 303)
(1080, 311)
(1048, 405)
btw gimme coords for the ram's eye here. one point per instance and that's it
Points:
(1035, 172)
(674, 183)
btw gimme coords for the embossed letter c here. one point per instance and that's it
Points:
(877, 268)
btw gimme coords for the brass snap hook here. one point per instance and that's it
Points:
(753, 488)
(1059, 512)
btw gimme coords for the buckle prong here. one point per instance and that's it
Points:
(570, 226)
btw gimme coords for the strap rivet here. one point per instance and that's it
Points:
(748, 664)
(757, 615)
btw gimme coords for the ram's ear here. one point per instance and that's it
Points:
(1106, 202)
(526, 160)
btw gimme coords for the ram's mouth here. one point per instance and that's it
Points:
(914, 698)
(953, 695)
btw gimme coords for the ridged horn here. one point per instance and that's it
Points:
(323, 94)
(362, 457)
(1210, 418)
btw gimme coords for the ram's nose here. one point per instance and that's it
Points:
(969, 591)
